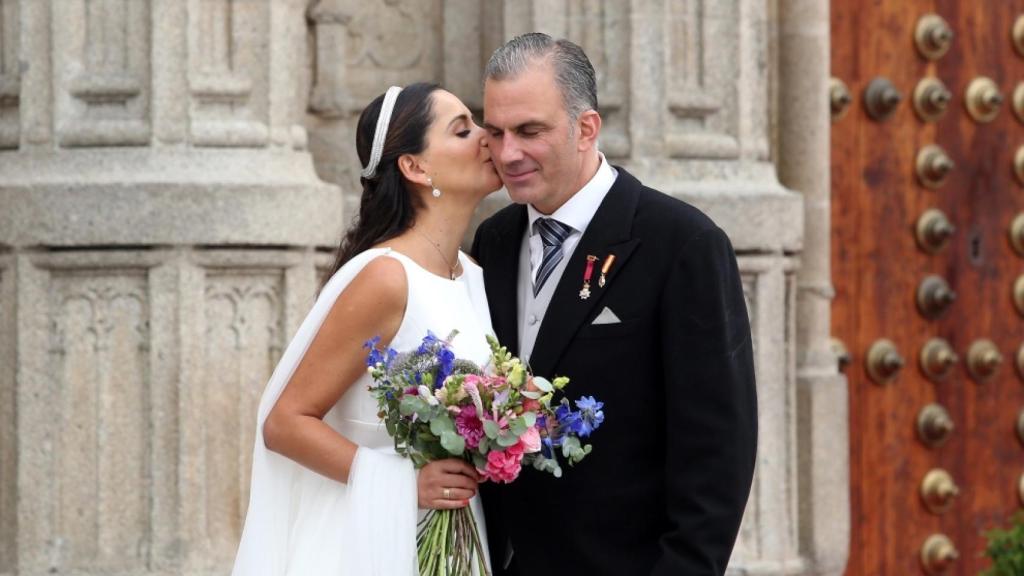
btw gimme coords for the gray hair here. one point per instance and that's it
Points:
(574, 73)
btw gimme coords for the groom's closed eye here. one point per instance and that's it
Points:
(527, 130)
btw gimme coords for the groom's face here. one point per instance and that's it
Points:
(530, 138)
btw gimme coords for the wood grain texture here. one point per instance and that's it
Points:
(876, 268)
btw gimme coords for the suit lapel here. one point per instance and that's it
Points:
(609, 232)
(500, 277)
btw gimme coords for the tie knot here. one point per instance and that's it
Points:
(552, 232)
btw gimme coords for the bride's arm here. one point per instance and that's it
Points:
(373, 304)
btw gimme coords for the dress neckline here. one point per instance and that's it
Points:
(456, 280)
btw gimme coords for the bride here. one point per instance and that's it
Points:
(329, 495)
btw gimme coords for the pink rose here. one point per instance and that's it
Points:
(530, 440)
(530, 405)
(503, 465)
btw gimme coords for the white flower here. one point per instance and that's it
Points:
(426, 395)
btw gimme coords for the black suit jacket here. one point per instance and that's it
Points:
(664, 490)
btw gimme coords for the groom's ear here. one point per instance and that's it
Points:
(589, 125)
(412, 169)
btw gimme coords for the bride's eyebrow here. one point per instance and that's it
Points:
(463, 117)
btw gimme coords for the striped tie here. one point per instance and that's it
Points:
(552, 234)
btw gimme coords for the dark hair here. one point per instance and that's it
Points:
(574, 74)
(387, 207)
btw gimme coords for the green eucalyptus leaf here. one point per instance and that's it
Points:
(530, 418)
(506, 440)
(440, 424)
(531, 394)
(409, 405)
(517, 427)
(491, 429)
(453, 443)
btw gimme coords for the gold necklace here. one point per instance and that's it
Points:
(451, 269)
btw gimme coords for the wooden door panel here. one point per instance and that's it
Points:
(877, 266)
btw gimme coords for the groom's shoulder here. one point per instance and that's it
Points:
(662, 215)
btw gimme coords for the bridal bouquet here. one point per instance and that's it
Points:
(498, 417)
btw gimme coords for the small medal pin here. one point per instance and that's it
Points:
(608, 261)
(587, 275)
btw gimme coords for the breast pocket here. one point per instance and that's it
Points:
(616, 330)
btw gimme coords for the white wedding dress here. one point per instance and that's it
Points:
(300, 523)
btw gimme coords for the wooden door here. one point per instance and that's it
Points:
(878, 267)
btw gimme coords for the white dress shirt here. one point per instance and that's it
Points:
(576, 213)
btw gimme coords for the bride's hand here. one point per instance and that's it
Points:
(446, 484)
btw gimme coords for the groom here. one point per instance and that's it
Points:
(637, 298)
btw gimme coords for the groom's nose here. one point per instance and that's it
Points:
(509, 150)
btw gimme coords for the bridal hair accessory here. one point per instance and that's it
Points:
(435, 192)
(381, 133)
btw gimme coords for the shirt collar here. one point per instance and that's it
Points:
(581, 207)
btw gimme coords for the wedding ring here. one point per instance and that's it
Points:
(447, 493)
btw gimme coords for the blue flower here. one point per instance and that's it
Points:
(591, 415)
(376, 356)
(429, 341)
(568, 421)
(546, 447)
(446, 359)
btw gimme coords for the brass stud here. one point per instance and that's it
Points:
(842, 353)
(933, 166)
(1017, 234)
(931, 99)
(933, 230)
(933, 36)
(1020, 366)
(1020, 423)
(983, 99)
(983, 360)
(934, 297)
(934, 425)
(1018, 101)
(881, 98)
(1018, 294)
(1017, 34)
(884, 361)
(937, 358)
(938, 554)
(938, 491)
(1018, 164)
(839, 98)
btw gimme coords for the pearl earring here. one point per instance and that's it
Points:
(435, 192)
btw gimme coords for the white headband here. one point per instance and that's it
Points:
(380, 135)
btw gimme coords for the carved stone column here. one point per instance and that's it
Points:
(804, 165)
(158, 219)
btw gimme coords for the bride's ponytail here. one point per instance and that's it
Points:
(387, 206)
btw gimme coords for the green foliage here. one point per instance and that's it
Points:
(1006, 549)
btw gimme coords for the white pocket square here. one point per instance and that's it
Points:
(607, 317)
